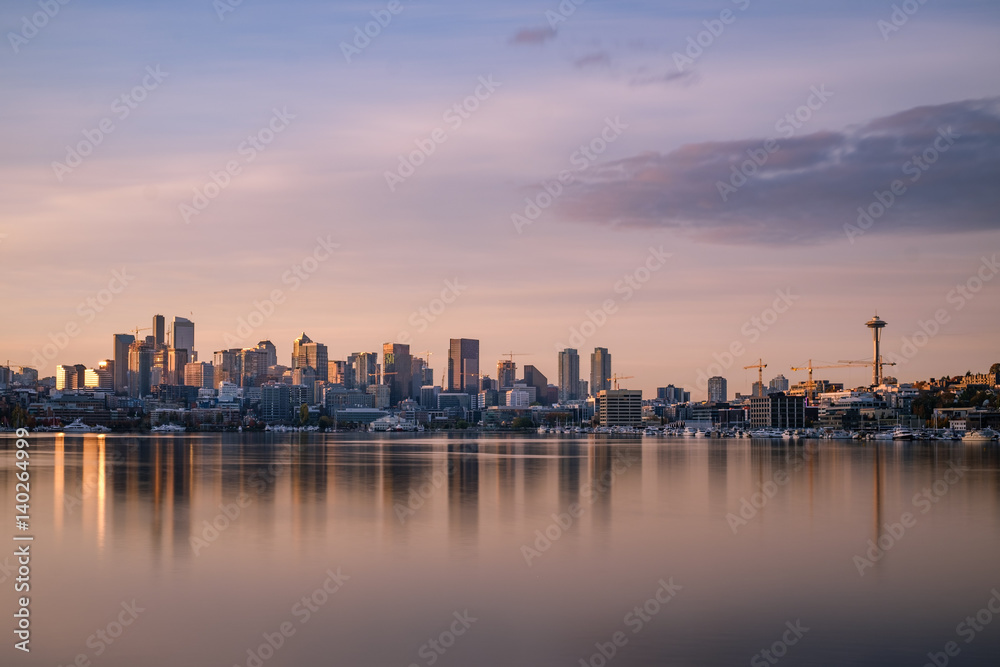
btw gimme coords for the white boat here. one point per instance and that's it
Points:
(984, 435)
(76, 426)
(168, 428)
(900, 433)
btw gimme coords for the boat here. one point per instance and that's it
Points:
(984, 435)
(76, 426)
(168, 428)
(900, 433)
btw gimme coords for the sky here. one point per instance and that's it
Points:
(695, 186)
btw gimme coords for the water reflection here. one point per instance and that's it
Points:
(428, 525)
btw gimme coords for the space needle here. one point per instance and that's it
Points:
(876, 325)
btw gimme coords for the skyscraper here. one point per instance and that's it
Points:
(534, 378)
(306, 353)
(463, 365)
(600, 370)
(270, 352)
(397, 369)
(506, 373)
(140, 369)
(183, 336)
(159, 325)
(363, 370)
(717, 391)
(569, 375)
(121, 345)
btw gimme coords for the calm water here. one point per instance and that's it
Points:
(399, 550)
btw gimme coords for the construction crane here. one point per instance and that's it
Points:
(515, 354)
(811, 386)
(760, 366)
(862, 362)
(138, 329)
(615, 378)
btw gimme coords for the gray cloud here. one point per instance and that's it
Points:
(812, 185)
(591, 59)
(533, 36)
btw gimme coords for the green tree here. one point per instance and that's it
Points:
(523, 422)
(303, 415)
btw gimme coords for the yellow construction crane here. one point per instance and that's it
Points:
(615, 378)
(811, 386)
(760, 366)
(138, 329)
(515, 354)
(870, 363)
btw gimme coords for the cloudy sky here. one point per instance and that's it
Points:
(672, 171)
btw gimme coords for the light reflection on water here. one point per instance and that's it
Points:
(549, 543)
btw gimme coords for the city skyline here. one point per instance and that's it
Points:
(687, 263)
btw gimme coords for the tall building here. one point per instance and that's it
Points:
(600, 370)
(778, 411)
(506, 373)
(227, 367)
(199, 374)
(140, 369)
(463, 366)
(305, 353)
(71, 378)
(159, 329)
(275, 403)
(101, 377)
(396, 371)
(270, 352)
(671, 394)
(419, 373)
(177, 358)
(779, 383)
(122, 343)
(363, 370)
(534, 378)
(183, 336)
(336, 371)
(620, 407)
(717, 391)
(253, 366)
(569, 375)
